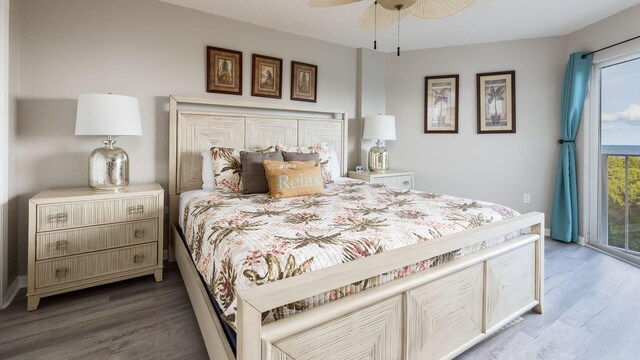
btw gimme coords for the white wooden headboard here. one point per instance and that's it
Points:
(197, 124)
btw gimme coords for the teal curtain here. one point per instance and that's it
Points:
(564, 220)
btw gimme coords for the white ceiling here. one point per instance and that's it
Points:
(483, 21)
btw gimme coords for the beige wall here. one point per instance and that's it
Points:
(616, 28)
(4, 146)
(14, 60)
(8, 244)
(372, 86)
(143, 48)
(495, 167)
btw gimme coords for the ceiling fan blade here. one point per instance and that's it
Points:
(435, 9)
(385, 17)
(329, 3)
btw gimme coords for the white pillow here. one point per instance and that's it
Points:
(208, 183)
(336, 169)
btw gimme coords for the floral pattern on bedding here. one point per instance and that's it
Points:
(239, 241)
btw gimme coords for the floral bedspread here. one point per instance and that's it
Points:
(239, 241)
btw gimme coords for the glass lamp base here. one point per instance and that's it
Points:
(109, 168)
(378, 159)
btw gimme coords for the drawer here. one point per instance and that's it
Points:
(374, 332)
(510, 284)
(400, 181)
(70, 242)
(80, 267)
(70, 215)
(444, 314)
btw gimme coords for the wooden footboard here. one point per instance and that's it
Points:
(434, 314)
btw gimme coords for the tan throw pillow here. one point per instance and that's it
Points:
(294, 178)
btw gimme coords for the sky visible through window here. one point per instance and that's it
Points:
(621, 104)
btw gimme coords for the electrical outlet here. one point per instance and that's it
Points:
(527, 198)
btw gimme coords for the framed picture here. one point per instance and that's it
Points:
(441, 104)
(304, 81)
(267, 76)
(224, 71)
(497, 102)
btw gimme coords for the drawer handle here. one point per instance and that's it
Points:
(139, 234)
(61, 244)
(136, 209)
(61, 273)
(59, 217)
(406, 182)
(138, 258)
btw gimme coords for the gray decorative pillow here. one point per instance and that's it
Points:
(254, 180)
(299, 156)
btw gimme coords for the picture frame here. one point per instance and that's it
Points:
(224, 71)
(441, 104)
(266, 79)
(304, 82)
(496, 102)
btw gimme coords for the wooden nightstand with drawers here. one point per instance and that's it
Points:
(80, 238)
(396, 178)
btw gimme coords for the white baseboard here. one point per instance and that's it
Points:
(581, 240)
(547, 232)
(17, 284)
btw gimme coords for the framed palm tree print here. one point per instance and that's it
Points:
(496, 102)
(441, 104)
(304, 82)
(224, 71)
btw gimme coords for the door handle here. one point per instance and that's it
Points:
(59, 217)
(136, 209)
(61, 273)
(61, 244)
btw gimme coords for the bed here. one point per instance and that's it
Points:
(383, 298)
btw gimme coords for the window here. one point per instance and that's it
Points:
(619, 209)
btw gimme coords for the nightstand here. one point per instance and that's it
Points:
(80, 238)
(395, 178)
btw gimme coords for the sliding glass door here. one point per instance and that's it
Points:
(619, 159)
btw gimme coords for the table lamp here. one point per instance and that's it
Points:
(379, 128)
(108, 115)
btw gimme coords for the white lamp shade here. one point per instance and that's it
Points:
(108, 114)
(379, 127)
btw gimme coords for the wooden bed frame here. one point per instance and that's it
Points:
(434, 314)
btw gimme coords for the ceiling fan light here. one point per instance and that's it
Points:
(393, 4)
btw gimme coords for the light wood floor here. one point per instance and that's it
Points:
(592, 311)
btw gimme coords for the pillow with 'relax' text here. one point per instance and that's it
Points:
(293, 178)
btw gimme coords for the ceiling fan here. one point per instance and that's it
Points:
(391, 11)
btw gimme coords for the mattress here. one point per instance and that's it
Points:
(240, 241)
